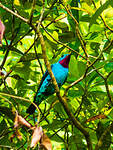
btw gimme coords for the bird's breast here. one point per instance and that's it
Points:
(60, 73)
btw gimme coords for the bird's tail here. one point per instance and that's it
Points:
(37, 100)
(31, 109)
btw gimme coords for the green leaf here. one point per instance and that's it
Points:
(7, 112)
(75, 93)
(106, 141)
(59, 108)
(86, 99)
(73, 68)
(3, 126)
(75, 14)
(92, 78)
(13, 49)
(81, 68)
(99, 11)
(50, 45)
(55, 138)
(4, 140)
(75, 45)
(68, 36)
(56, 124)
(110, 48)
(108, 67)
(61, 25)
(17, 77)
(29, 57)
(75, 140)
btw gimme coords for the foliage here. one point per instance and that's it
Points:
(83, 28)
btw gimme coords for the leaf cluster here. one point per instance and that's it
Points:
(83, 28)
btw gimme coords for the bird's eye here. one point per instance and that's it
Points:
(62, 56)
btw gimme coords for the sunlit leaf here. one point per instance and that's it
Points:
(98, 12)
(88, 88)
(17, 2)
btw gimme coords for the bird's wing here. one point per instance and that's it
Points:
(44, 77)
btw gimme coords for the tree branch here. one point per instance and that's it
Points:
(62, 43)
(13, 13)
(32, 10)
(61, 99)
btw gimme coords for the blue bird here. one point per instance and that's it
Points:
(46, 88)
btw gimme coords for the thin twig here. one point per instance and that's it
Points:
(62, 43)
(32, 11)
(5, 58)
(108, 91)
(22, 37)
(77, 31)
(37, 56)
(13, 13)
(41, 17)
(23, 99)
(106, 26)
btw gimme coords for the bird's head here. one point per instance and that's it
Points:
(64, 60)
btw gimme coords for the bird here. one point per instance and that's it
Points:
(60, 70)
